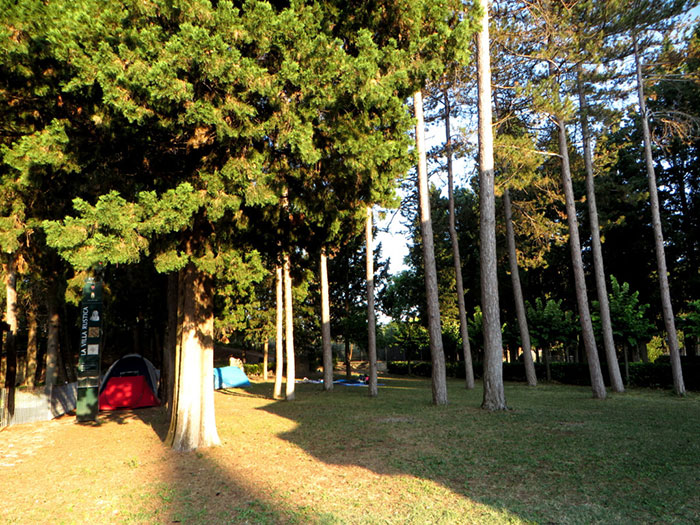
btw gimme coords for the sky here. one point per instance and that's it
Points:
(391, 232)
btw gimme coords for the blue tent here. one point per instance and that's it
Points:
(229, 377)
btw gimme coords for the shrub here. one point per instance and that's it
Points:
(255, 369)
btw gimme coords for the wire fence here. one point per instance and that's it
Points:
(40, 404)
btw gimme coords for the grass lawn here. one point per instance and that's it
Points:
(558, 456)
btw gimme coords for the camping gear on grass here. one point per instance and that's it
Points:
(229, 377)
(131, 382)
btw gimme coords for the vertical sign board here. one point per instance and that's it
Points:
(89, 360)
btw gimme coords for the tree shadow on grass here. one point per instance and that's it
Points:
(202, 486)
(559, 457)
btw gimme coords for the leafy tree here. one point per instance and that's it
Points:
(630, 324)
(550, 325)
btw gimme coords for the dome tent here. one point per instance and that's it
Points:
(131, 382)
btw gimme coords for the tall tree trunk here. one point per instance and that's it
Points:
(463, 330)
(66, 353)
(11, 319)
(289, 331)
(439, 379)
(194, 424)
(30, 365)
(599, 271)
(667, 308)
(547, 359)
(494, 393)
(279, 334)
(518, 293)
(371, 321)
(266, 353)
(326, 325)
(577, 262)
(346, 336)
(52, 339)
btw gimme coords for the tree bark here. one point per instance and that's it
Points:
(66, 355)
(279, 334)
(577, 262)
(195, 424)
(266, 353)
(463, 329)
(30, 365)
(494, 393)
(52, 340)
(11, 319)
(666, 306)
(439, 378)
(289, 331)
(599, 269)
(371, 320)
(326, 325)
(518, 293)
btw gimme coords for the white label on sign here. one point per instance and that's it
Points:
(93, 349)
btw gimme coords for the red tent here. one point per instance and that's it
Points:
(131, 382)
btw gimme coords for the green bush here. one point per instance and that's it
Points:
(255, 369)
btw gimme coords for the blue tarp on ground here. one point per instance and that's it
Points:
(229, 377)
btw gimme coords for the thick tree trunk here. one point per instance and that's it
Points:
(494, 393)
(195, 423)
(326, 325)
(11, 320)
(599, 271)
(371, 321)
(666, 306)
(279, 333)
(577, 262)
(518, 293)
(463, 330)
(52, 340)
(30, 365)
(289, 331)
(439, 379)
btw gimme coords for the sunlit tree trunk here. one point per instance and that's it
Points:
(463, 330)
(195, 424)
(439, 380)
(289, 331)
(518, 293)
(326, 325)
(577, 262)
(494, 393)
(279, 334)
(667, 307)
(599, 270)
(11, 320)
(371, 321)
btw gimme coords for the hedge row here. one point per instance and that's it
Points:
(648, 375)
(255, 369)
